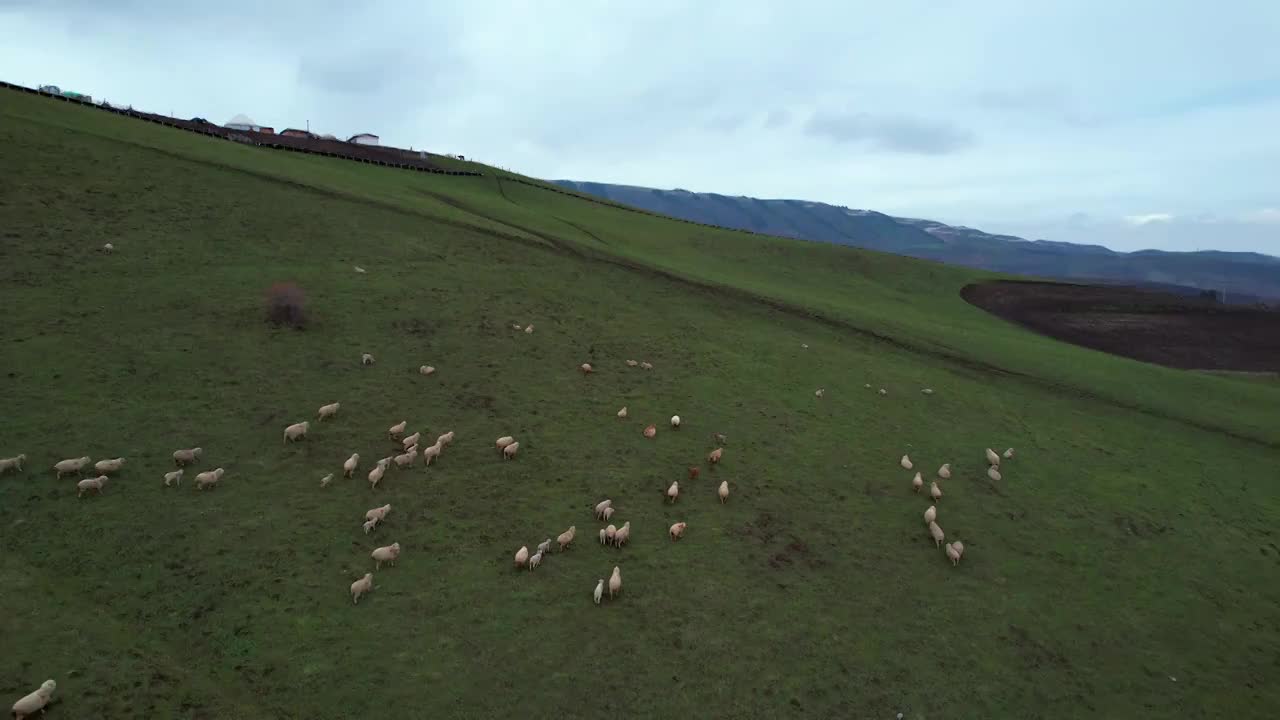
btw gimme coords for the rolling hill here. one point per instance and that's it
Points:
(1246, 277)
(1124, 566)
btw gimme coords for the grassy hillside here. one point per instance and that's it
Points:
(1131, 541)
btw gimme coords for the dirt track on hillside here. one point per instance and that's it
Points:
(1170, 330)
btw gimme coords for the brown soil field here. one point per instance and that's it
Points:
(1161, 328)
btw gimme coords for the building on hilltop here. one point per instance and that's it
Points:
(295, 132)
(243, 122)
(363, 139)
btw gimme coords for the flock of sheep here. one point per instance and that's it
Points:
(954, 549)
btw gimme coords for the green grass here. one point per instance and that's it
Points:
(1131, 540)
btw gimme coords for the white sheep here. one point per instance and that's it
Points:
(516, 326)
(209, 478)
(432, 452)
(328, 411)
(917, 482)
(714, 456)
(586, 368)
(927, 391)
(992, 457)
(186, 457)
(602, 506)
(522, 556)
(34, 701)
(296, 431)
(174, 477)
(651, 431)
(599, 592)
(360, 587)
(675, 422)
(528, 329)
(723, 491)
(405, 460)
(12, 463)
(993, 473)
(379, 513)
(106, 467)
(566, 537)
(935, 492)
(615, 582)
(944, 472)
(882, 391)
(108, 248)
(359, 269)
(426, 370)
(609, 533)
(395, 431)
(375, 476)
(646, 365)
(71, 465)
(608, 513)
(369, 525)
(603, 536)
(938, 535)
(324, 481)
(622, 414)
(544, 547)
(91, 484)
(1008, 454)
(366, 359)
(677, 531)
(819, 393)
(504, 441)
(386, 461)
(411, 440)
(509, 452)
(623, 534)
(954, 551)
(931, 514)
(632, 363)
(445, 439)
(349, 467)
(905, 462)
(385, 554)
(535, 560)
(673, 492)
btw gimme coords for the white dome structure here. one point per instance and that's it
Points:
(242, 122)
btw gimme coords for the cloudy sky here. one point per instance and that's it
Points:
(1129, 123)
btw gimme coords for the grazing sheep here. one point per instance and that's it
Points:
(324, 481)
(804, 345)
(375, 476)
(694, 472)
(599, 592)
(522, 556)
(917, 482)
(944, 472)
(378, 513)
(602, 506)
(387, 554)
(609, 533)
(528, 330)
(651, 431)
(411, 440)
(91, 484)
(509, 452)
(395, 431)
(108, 248)
(608, 513)
(623, 534)
(433, 451)
(993, 473)
(677, 531)
(544, 547)
(426, 370)
(905, 462)
(369, 525)
(366, 359)
(632, 363)
(34, 701)
(622, 414)
(504, 441)
(386, 461)
(819, 393)
(72, 465)
(296, 431)
(445, 439)
(723, 492)
(1008, 454)
(675, 422)
(954, 551)
(405, 460)
(209, 478)
(714, 456)
(927, 391)
(350, 465)
(106, 467)
(328, 411)
(882, 391)
(646, 365)
(867, 385)
(360, 587)
(12, 463)
(931, 514)
(359, 269)
(602, 536)
(586, 368)
(993, 458)
(174, 478)
(935, 492)
(186, 457)
(516, 326)
(566, 537)
(535, 560)
(615, 582)
(673, 492)
(938, 535)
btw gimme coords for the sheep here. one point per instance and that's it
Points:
(106, 467)
(938, 535)
(369, 525)
(586, 368)
(723, 492)
(395, 431)
(720, 438)
(91, 484)
(1008, 454)
(72, 465)
(882, 391)
(673, 492)
(360, 587)
(694, 472)
(186, 457)
(931, 514)
(646, 365)
(917, 482)
(324, 481)
(993, 458)
(504, 441)
(535, 560)
(528, 329)
(522, 556)
(411, 440)
(385, 462)
(615, 582)
(935, 492)
(359, 269)
(296, 431)
(632, 363)
(608, 513)
(651, 431)
(675, 422)
(366, 359)
(566, 537)
(108, 248)
(867, 386)
(509, 452)
(944, 472)
(819, 393)
(622, 414)
(599, 592)
(349, 467)
(610, 533)
(603, 536)
(993, 473)
(602, 506)
(328, 411)
(677, 531)
(927, 391)
(378, 513)
(387, 554)
(804, 346)
(34, 701)
(954, 551)
(209, 478)
(516, 326)
(375, 476)
(544, 547)
(445, 439)
(12, 463)
(426, 370)
(405, 460)
(431, 452)
(623, 534)
(714, 456)
(905, 462)
(174, 478)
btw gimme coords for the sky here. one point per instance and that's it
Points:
(1134, 124)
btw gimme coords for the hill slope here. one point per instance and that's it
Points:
(1139, 503)
(1247, 277)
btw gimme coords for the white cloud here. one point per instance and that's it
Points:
(1148, 218)
(1265, 216)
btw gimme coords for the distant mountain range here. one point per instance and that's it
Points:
(1245, 277)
